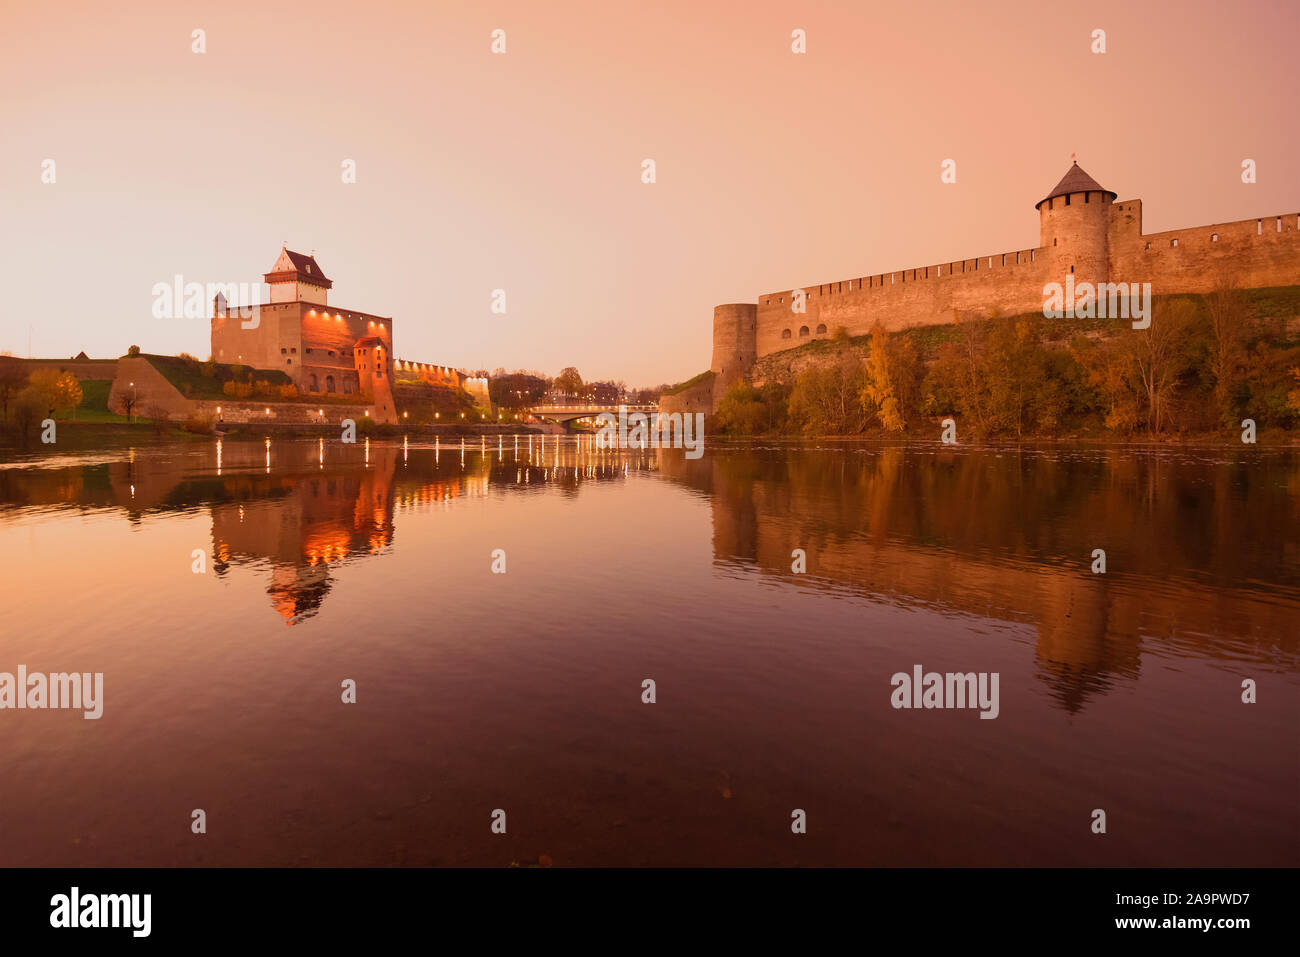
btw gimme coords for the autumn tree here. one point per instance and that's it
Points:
(29, 407)
(827, 400)
(59, 390)
(1156, 357)
(568, 381)
(890, 387)
(12, 379)
(1023, 390)
(956, 381)
(1228, 314)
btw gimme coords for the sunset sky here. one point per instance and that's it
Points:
(522, 171)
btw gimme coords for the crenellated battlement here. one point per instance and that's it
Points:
(1084, 232)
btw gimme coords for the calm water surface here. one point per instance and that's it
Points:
(522, 691)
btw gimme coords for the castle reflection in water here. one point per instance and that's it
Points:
(303, 508)
(1195, 559)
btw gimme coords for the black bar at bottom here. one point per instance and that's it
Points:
(566, 906)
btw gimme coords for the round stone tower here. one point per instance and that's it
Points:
(735, 340)
(1074, 228)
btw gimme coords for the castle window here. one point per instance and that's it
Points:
(821, 329)
(1148, 245)
(314, 386)
(1279, 224)
(803, 331)
(1053, 240)
(1214, 237)
(1004, 259)
(307, 351)
(284, 351)
(293, 350)
(1173, 242)
(1259, 227)
(785, 333)
(329, 383)
(1067, 199)
(288, 362)
(1071, 270)
(1087, 197)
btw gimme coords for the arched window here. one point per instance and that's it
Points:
(785, 333)
(803, 331)
(314, 386)
(821, 329)
(329, 383)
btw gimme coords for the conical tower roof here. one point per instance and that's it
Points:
(1075, 180)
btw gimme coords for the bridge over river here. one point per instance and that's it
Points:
(568, 414)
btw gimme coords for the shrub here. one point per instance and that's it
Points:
(133, 351)
(159, 417)
(198, 423)
(29, 407)
(288, 391)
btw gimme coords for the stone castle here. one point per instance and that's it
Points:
(340, 360)
(324, 349)
(1083, 232)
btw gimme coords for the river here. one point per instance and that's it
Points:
(498, 609)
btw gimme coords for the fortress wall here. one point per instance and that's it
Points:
(259, 347)
(1254, 251)
(296, 327)
(1257, 253)
(326, 330)
(734, 335)
(926, 295)
(478, 391)
(426, 372)
(81, 368)
(700, 397)
(152, 390)
(244, 411)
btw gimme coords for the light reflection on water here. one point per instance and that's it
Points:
(522, 690)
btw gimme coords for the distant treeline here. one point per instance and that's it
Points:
(1204, 364)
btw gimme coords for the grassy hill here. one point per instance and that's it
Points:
(204, 380)
(1275, 308)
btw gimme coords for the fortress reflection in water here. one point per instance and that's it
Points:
(1196, 565)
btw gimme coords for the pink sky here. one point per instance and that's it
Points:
(522, 171)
